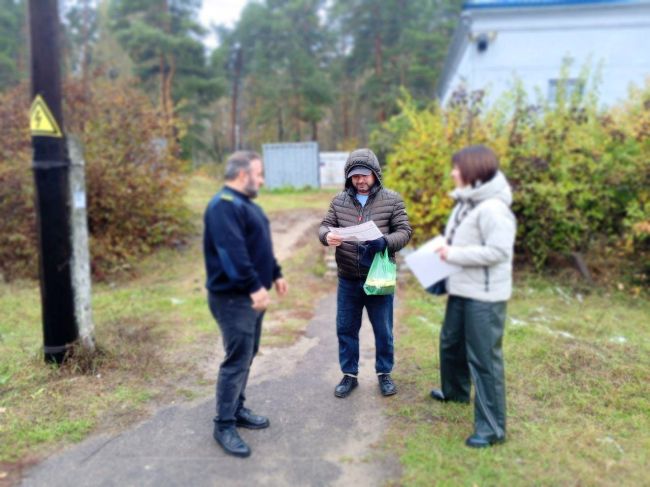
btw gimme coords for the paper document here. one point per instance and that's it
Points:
(363, 232)
(427, 265)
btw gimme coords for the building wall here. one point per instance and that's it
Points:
(531, 43)
(291, 165)
(332, 169)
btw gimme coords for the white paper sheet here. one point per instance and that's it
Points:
(427, 265)
(361, 233)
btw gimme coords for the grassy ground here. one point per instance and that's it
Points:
(577, 389)
(156, 337)
(576, 364)
(274, 201)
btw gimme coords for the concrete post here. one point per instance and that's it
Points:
(81, 281)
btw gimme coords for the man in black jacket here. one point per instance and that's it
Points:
(241, 268)
(364, 199)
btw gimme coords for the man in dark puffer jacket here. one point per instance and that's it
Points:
(364, 199)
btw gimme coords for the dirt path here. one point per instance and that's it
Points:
(289, 228)
(314, 438)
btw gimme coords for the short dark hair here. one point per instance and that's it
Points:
(476, 163)
(240, 160)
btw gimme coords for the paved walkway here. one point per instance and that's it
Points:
(315, 439)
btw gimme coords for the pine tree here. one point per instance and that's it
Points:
(162, 37)
(392, 44)
(13, 43)
(277, 54)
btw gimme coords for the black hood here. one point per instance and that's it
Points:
(365, 158)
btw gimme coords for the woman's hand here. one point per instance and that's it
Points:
(443, 251)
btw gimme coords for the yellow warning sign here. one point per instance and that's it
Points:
(41, 121)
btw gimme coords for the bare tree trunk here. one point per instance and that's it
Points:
(345, 113)
(162, 68)
(84, 45)
(21, 60)
(168, 71)
(582, 267)
(379, 70)
(169, 83)
(233, 117)
(169, 99)
(234, 122)
(280, 126)
(297, 119)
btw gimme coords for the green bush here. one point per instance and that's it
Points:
(419, 161)
(134, 184)
(633, 119)
(579, 174)
(18, 251)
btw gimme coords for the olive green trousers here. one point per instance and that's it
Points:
(470, 352)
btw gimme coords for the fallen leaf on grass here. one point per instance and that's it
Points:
(517, 322)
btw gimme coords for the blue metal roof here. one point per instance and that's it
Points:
(486, 4)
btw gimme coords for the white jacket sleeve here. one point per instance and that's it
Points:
(497, 227)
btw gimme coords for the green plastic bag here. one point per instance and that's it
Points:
(382, 276)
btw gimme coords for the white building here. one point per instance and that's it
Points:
(498, 40)
(332, 169)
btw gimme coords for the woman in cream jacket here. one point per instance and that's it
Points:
(480, 237)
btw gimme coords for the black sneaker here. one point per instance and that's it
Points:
(345, 386)
(386, 385)
(246, 419)
(231, 442)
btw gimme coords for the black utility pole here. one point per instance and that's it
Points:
(51, 167)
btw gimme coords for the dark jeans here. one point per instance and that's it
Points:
(350, 301)
(470, 348)
(241, 328)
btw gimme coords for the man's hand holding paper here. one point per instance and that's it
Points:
(358, 233)
(334, 240)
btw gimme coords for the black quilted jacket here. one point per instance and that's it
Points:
(384, 207)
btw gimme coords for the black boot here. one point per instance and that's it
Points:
(439, 396)
(246, 419)
(230, 441)
(477, 441)
(386, 385)
(345, 386)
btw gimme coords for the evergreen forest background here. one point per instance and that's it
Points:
(288, 70)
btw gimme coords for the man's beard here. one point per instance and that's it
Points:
(363, 187)
(250, 190)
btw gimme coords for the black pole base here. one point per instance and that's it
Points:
(55, 355)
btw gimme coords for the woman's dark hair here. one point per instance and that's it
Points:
(476, 163)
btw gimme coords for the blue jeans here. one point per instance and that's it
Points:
(241, 328)
(350, 301)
